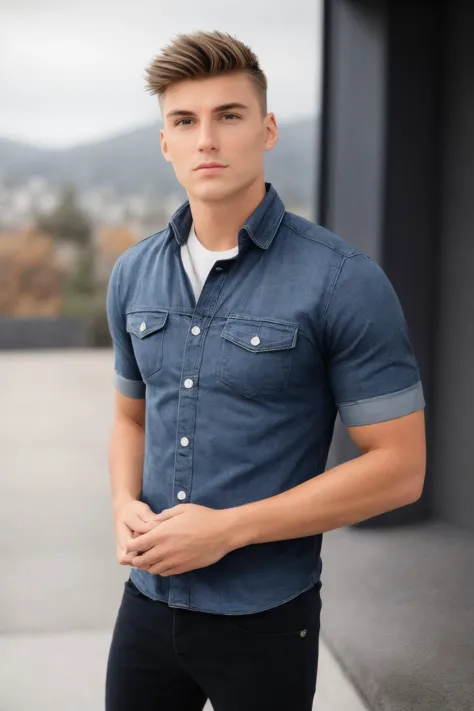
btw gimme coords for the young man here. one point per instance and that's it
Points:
(240, 331)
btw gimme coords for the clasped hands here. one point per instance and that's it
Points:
(183, 538)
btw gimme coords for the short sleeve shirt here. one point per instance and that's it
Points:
(243, 385)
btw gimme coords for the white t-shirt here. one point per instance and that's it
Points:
(198, 261)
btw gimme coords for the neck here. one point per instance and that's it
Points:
(217, 224)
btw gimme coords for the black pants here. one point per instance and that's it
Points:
(165, 659)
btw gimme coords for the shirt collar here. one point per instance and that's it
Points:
(261, 226)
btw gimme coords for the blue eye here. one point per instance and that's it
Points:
(182, 122)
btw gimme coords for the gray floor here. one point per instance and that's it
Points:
(36, 674)
(60, 583)
(400, 614)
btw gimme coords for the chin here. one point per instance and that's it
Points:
(213, 191)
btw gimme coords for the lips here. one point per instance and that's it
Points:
(209, 166)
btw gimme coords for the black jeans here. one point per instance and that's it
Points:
(165, 659)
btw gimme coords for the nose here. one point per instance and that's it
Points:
(207, 140)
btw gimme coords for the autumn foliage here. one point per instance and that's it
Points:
(30, 278)
(61, 265)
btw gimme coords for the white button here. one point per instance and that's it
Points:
(195, 330)
(218, 269)
(184, 441)
(303, 633)
(143, 326)
(255, 341)
(181, 495)
(188, 383)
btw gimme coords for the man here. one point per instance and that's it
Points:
(240, 331)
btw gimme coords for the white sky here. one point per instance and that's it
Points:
(71, 72)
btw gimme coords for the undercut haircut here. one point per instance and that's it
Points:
(198, 55)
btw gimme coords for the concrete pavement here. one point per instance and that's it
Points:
(61, 585)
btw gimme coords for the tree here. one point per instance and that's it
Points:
(67, 222)
(30, 280)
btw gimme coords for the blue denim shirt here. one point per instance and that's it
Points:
(243, 387)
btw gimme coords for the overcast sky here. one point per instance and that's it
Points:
(71, 72)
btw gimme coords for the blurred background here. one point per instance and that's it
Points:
(375, 106)
(81, 172)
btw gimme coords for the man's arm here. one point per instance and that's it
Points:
(126, 451)
(132, 517)
(389, 474)
(127, 441)
(374, 377)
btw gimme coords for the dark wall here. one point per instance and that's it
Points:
(352, 145)
(31, 333)
(404, 632)
(453, 453)
(352, 135)
(380, 169)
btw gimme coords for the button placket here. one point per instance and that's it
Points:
(179, 593)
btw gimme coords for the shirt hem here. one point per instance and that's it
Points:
(137, 582)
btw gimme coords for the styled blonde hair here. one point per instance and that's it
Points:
(203, 54)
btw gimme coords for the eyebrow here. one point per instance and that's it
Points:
(216, 110)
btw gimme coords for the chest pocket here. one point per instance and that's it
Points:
(147, 329)
(257, 355)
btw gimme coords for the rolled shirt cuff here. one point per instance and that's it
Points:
(383, 407)
(129, 388)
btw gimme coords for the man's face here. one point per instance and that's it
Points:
(216, 120)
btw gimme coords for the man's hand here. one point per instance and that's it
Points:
(186, 538)
(133, 519)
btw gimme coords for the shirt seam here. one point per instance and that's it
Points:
(330, 295)
(119, 302)
(335, 284)
(320, 241)
(384, 396)
(129, 380)
(120, 311)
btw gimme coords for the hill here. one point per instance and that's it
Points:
(131, 162)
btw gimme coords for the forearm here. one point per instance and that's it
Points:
(126, 455)
(354, 491)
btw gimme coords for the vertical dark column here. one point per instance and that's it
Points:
(380, 172)
(453, 443)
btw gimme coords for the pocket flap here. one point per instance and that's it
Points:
(259, 336)
(144, 323)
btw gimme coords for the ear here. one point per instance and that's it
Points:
(271, 132)
(164, 146)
